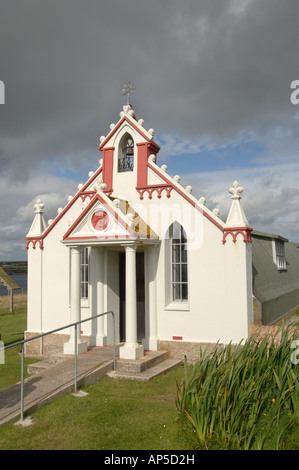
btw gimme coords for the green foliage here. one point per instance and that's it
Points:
(12, 327)
(245, 396)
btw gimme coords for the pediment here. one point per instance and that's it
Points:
(100, 220)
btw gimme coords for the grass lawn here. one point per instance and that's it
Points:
(115, 415)
(12, 327)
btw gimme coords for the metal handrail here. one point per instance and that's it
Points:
(75, 325)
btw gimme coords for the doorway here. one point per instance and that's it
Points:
(140, 289)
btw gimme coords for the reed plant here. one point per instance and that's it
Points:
(242, 396)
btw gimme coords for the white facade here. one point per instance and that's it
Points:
(134, 241)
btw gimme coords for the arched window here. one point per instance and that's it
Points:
(179, 263)
(126, 154)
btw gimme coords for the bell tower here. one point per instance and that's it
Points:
(126, 150)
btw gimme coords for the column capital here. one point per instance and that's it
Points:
(76, 249)
(129, 247)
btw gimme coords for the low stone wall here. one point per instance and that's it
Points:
(179, 349)
(49, 344)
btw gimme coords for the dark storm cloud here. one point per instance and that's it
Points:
(200, 67)
(215, 71)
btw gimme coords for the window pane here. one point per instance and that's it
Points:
(184, 253)
(184, 273)
(176, 273)
(183, 236)
(184, 291)
(176, 292)
(175, 253)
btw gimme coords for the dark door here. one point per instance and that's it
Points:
(140, 296)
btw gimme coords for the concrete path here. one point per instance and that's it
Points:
(55, 381)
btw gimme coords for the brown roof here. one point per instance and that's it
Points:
(7, 280)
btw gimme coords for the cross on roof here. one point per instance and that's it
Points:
(127, 90)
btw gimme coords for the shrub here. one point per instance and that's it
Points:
(242, 395)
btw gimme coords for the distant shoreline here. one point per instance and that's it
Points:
(14, 267)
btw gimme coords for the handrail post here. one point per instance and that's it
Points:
(22, 383)
(22, 343)
(114, 347)
(76, 351)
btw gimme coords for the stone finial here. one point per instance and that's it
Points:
(152, 158)
(130, 220)
(38, 225)
(99, 185)
(236, 216)
(236, 190)
(177, 178)
(189, 189)
(164, 168)
(202, 200)
(116, 203)
(39, 206)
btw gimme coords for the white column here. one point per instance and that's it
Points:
(101, 338)
(151, 259)
(131, 349)
(69, 347)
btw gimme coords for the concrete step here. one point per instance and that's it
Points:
(146, 374)
(149, 359)
(45, 364)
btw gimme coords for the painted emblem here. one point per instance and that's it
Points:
(100, 220)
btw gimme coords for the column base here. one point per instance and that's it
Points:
(153, 344)
(69, 347)
(101, 340)
(134, 351)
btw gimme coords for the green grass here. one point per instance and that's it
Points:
(12, 327)
(115, 415)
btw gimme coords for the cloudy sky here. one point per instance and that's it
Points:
(212, 77)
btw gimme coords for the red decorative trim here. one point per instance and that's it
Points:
(86, 194)
(66, 208)
(97, 198)
(169, 183)
(34, 242)
(118, 125)
(144, 150)
(177, 338)
(101, 237)
(234, 232)
(108, 153)
(155, 187)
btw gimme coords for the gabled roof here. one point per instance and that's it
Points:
(124, 222)
(127, 115)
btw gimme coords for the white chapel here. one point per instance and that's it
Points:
(135, 241)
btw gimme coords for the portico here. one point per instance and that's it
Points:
(134, 345)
